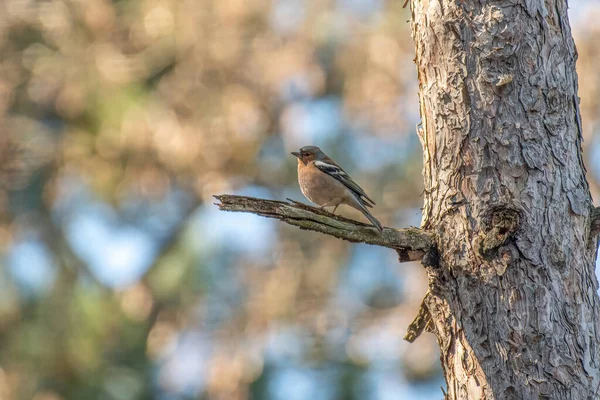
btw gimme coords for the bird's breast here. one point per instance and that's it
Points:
(319, 187)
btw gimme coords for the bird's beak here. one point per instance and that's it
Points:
(295, 153)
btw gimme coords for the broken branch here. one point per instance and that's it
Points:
(410, 243)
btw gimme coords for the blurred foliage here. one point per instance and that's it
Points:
(118, 122)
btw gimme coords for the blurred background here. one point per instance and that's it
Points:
(118, 122)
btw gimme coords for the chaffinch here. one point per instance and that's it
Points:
(325, 183)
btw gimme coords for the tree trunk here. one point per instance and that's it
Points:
(514, 299)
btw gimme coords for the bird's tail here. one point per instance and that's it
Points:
(370, 217)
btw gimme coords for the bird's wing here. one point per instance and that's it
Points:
(335, 171)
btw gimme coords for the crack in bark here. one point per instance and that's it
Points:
(595, 222)
(410, 243)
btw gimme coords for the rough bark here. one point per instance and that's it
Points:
(410, 243)
(514, 300)
(595, 222)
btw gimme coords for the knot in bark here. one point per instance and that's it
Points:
(499, 224)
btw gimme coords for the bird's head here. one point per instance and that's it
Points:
(308, 153)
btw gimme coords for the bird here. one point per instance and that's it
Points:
(326, 184)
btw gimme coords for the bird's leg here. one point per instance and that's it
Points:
(328, 204)
(335, 208)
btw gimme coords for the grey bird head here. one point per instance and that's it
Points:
(309, 153)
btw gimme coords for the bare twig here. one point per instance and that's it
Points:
(410, 243)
